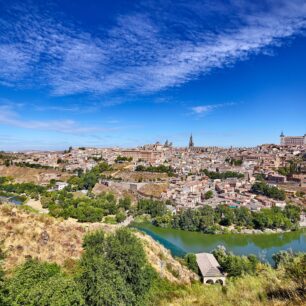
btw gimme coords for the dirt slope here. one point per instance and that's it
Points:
(31, 235)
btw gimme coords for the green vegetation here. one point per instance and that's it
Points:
(158, 169)
(209, 220)
(88, 179)
(235, 265)
(208, 195)
(113, 271)
(85, 209)
(234, 162)
(191, 262)
(260, 177)
(28, 189)
(263, 286)
(151, 207)
(32, 165)
(222, 175)
(120, 159)
(63, 203)
(41, 284)
(292, 168)
(268, 191)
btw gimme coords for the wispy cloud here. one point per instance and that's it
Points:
(201, 110)
(145, 51)
(11, 118)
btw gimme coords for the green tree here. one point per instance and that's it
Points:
(115, 270)
(191, 262)
(208, 195)
(42, 284)
(102, 284)
(296, 270)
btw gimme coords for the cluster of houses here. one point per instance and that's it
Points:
(188, 187)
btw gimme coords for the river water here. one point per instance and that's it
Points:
(262, 245)
(11, 200)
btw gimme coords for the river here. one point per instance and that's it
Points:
(263, 245)
(12, 200)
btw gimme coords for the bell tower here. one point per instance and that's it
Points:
(191, 144)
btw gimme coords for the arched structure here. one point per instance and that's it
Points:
(210, 269)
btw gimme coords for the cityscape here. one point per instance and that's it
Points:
(152, 153)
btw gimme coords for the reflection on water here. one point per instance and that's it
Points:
(263, 245)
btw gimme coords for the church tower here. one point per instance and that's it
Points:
(191, 144)
(282, 136)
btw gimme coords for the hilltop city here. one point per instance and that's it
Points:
(187, 177)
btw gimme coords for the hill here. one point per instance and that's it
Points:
(25, 234)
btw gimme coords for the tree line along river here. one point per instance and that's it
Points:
(264, 245)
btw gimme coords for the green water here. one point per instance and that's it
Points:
(263, 245)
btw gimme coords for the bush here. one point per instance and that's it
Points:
(191, 262)
(235, 265)
(115, 270)
(42, 284)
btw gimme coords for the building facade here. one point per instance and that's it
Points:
(292, 140)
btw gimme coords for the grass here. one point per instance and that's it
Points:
(266, 288)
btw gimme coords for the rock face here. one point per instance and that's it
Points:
(44, 238)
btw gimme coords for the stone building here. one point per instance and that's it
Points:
(210, 269)
(292, 140)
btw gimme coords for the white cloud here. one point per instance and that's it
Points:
(141, 53)
(200, 110)
(11, 118)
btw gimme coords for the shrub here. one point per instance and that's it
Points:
(41, 284)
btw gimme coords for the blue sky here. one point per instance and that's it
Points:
(125, 73)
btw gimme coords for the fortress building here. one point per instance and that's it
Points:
(292, 140)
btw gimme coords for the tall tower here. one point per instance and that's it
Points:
(191, 144)
(282, 136)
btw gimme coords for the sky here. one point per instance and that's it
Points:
(126, 73)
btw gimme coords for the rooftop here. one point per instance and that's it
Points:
(208, 264)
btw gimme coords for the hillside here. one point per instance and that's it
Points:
(37, 176)
(27, 234)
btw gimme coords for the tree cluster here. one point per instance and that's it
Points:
(28, 189)
(85, 209)
(88, 179)
(222, 175)
(158, 169)
(235, 265)
(32, 165)
(151, 207)
(234, 162)
(208, 220)
(120, 158)
(273, 192)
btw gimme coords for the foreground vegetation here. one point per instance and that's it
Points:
(114, 270)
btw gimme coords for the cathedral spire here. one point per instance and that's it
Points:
(191, 144)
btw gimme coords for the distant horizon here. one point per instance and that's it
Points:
(118, 73)
(134, 147)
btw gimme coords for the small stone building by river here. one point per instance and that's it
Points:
(210, 269)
